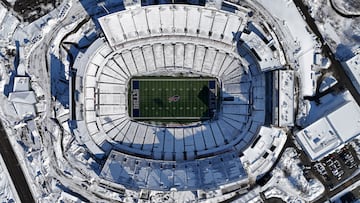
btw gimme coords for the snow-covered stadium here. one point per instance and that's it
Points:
(176, 40)
(178, 101)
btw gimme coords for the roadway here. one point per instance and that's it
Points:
(336, 66)
(340, 75)
(14, 168)
(342, 13)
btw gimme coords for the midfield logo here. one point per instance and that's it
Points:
(174, 98)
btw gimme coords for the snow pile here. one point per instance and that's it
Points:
(289, 183)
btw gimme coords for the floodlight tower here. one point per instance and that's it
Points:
(102, 4)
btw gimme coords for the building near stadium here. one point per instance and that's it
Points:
(331, 132)
(352, 68)
(173, 94)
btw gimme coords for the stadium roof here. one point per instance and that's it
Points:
(262, 51)
(22, 99)
(27, 97)
(263, 152)
(21, 84)
(330, 132)
(208, 173)
(352, 67)
(286, 98)
(172, 20)
(345, 116)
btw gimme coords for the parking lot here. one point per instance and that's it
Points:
(337, 166)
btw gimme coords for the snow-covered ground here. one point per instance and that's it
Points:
(342, 34)
(302, 42)
(289, 178)
(350, 7)
(7, 190)
(287, 183)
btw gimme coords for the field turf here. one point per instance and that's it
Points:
(171, 98)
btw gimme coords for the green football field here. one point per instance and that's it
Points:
(171, 98)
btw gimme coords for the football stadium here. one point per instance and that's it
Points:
(171, 96)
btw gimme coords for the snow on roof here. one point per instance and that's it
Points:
(8, 24)
(307, 82)
(169, 19)
(208, 173)
(21, 70)
(288, 15)
(264, 149)
(328, 82)
(27, 97)
(352, 67)
(318, 139)
(82, 135)
(263, 53)
(24, 109)
(329, 132)
(21, 84)
(23, 102)
(286, 11)
(286, 98)
(346, 121)
(214, 4)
